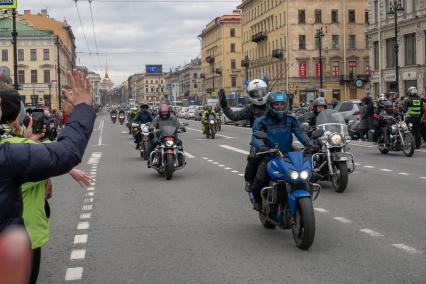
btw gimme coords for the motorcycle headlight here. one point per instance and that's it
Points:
(169, 143)
(304, 174)
(335, 139)
(348, 139)
(410, 125)
(294, 175)
(212, 121)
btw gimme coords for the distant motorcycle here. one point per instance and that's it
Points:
(121, 117)
(210, 126)
(113, 117)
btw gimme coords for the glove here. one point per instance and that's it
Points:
(222, 99)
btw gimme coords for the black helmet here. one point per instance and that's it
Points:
(144, 106)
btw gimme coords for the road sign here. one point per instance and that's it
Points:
(8, 4)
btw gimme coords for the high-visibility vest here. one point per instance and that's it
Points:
(415, 108)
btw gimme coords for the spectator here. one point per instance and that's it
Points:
(366, 117)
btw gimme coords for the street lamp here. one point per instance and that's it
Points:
(210, 60)
(319, 35)
(394, 8)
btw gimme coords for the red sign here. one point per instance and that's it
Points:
(302, 70)
(318, 69)
(352, 64)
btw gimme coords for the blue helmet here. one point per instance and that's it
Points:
(276, 97)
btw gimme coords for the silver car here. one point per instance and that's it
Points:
(350, 110)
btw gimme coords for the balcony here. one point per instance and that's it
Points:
(260, 36)
(210, 59)
(277, 53)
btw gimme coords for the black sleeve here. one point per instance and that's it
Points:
(236, 115)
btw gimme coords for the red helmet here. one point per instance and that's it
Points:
(164, 111)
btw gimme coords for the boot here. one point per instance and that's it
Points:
(255, 188)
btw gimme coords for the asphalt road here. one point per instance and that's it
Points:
(133, 226)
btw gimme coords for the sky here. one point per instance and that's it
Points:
(133, 33)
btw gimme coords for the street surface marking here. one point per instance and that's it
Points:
(404, 174)
(386, 170)
(405, 248)
(87, 207)
(205, 158)
(342, 220)
(423, 177)
(74, 273)
(228, 168)
(241, 151)
(90, 193)
(100, 134)
(210, 161)
(371, 233)
(370, 167)
(322, 210)
(124, 132)
(91, 188)
(94, 158)
(241, 175)
(88, 200)
(189, 155)
(83, 226)
(215, 163)
(357, 164)
(78, 254)
(234, 172)
(221, 166)
(80, 239)
(85, 215)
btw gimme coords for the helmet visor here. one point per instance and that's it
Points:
(278, 106)
(258, 93)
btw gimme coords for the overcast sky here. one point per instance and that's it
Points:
(131, 34)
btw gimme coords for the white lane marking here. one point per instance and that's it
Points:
(90, 193)
(188, 155)
(342, 220)
(87, 207)
(100, 134)
(241, 151)
(74, 273)
(357, 164)
(423, 177)
(91, 188)
(372, 233)
(210, 161)
(94, 158)
(78, 254)
(83, 226)
(405, 248)
(322, 210)
(359, 145)
(124, 132)
(80, 239)
(386, 170)
(215, 163)
(205, 158)
(370, 167)
(228, 168)
(221, 166)
(88, 200)
(85, 215)
(241, 175)
(234, 172)
(404, 174)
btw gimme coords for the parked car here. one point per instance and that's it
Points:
(183, 111)
(244, 122)
(190, 114)
(198, 113)
(350, 110)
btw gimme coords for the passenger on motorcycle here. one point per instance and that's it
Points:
(319, 106)
(280, 127)
(143, 117)
(208, 110)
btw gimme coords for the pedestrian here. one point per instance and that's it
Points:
(366, 117)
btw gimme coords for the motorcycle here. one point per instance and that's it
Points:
(145, 140)
(167, 157)
(399, 136)
(353, 129)
(210, 126)
(287, 201)
(219, 122)
(113, 117)
(331, 162)
(121, 117)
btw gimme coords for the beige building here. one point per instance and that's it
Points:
(279, 38)
(412, 46)
(155, 88)
(221, 54)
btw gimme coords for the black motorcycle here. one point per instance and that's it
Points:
(113, 117)
(121, 117)
(210, 126)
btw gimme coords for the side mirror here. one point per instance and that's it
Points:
(260, 135)
(317, 133)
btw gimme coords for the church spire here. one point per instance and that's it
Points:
(106, 70)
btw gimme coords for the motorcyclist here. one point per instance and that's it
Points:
(143, 117)
(279, 127)
(208, 110)
(413, 108)
(258, 94)
(319, 105)
(386, 111)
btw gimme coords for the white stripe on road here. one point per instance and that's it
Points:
(238, 150)
(80, 239)
(188, 155)
(404, 174)
(83, 226)
(322, 210)
(370, 167)
(234, 172)
(342, 220)
(78, 254)
(405, 248)
(210, 161)
(100, 134)
(221, 166)
(386, 170)
(216, 163)
(205, 158)
(228, 168)
(90, 193)
(372, 233)
(87, 207)
(88, 200)
(85, 215)
(91, 188)
(423, 177)
(74, 273)
(241, 175)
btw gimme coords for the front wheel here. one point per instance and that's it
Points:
(382, 145)
(145, 151)
(409, 145)
(207, 130)
(340, 178)
(213, 131)
(169, 166)
(304, 227)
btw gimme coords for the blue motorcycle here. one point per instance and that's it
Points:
(287, 201)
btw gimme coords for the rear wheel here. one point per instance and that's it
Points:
(169, 167)
(409, 145)
(341, 176)
(304, 227)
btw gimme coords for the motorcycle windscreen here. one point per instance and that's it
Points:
(211, 117)
(167, 128)
(332, 122)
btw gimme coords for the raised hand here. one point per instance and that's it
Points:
(81, 177)
(81, 88)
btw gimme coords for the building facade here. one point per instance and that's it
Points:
(191, 81)
(155, 88)
(221, 55)
(411, 23)
(95, 80)
(173, 85)
(280, 39)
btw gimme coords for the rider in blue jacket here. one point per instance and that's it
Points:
(143, 117)
(279, 127)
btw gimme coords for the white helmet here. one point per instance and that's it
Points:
(258, 92)
(412, 91)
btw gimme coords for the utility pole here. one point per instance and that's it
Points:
(394, 8)
(15, 50)
(58, 45)
(319, 35)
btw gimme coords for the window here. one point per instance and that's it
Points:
(46, 76)
(335, 68)
(352, 41)
(232, 47)
(34, 76)
(351, 14)
(152, 89)
(21, 76)
(233, 82)
(146, 90)
(301, 16)
(390, 52)
(302, 69)
(376, 55)
(410, 49)
(302, 42)
(233, 64)
(335, 41)
(376, 10)
(33, 54)
(5, 55)
(352, 68)
(366, 18)
(46, 54)
(195, 75)
(20, 55)
(318, 18)
(232, 32)
(334, 16)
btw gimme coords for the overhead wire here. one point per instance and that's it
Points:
(84, 33)
(94, 34)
